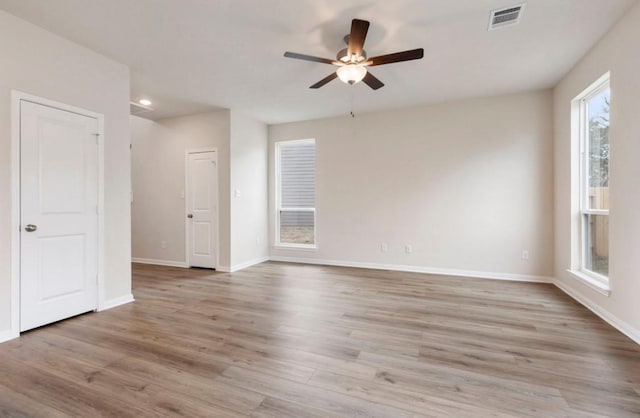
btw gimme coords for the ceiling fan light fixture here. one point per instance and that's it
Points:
(351, 73)
(352, 61)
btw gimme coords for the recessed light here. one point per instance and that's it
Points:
(145, 102)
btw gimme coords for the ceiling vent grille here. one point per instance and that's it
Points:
(505, 17)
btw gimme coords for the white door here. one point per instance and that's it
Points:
(202, 204)
(59, 220)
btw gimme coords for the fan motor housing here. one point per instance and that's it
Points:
(343, 56)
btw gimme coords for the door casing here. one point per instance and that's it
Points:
(16, 98)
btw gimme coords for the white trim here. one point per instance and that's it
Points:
(277, 146)
(420, 269)
(223, 269)
(201, 151)
(293, 142)
(587, 279)
(15, 215)
(7, 335)
(246, 264)
(16, 97)
(579, 270)
(296, 247)
(594, 87)
(597, 212)
(302, 247)
(167, 263)
(186, 204)
(101, 222)
(611, 319)
(112, 303)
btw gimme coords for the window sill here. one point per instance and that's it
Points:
(307, 248)
(592, 282)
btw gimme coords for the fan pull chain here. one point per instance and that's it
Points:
(353, 95)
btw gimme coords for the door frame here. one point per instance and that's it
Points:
(16, 98)
(216, 217)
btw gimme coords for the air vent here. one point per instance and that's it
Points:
(138, 109)
(505, 17)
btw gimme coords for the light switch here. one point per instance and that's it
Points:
(236, 193)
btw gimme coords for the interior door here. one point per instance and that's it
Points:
(59, 214)
(202, 195)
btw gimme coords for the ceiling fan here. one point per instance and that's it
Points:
(352, 62)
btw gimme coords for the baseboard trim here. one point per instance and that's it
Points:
(419, 269)
(606, 316)
(112, 303)
(249, 263)
(166, 263)
(8, 335)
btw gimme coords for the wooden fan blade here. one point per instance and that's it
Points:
(308, 58)
(414, 54)
(357, 36)
(372, 81)
(324, 81)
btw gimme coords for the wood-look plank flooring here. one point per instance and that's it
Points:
(285, 340)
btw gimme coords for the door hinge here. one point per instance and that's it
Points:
(97, 138)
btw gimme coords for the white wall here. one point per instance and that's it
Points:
(468, 184)
(40, 63)
(616, 52)
(158, 174)
(249, 210)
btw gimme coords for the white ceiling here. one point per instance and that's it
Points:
(192, 55)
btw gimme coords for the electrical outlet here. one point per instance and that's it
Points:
(408, 248)
(163, 244)
(525, 254)
(384, 248)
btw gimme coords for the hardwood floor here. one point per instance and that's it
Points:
(285, 340)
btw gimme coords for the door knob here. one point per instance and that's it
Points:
(30, 228)
(190, 215)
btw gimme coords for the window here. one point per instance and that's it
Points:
(594, 105)
(296, 193)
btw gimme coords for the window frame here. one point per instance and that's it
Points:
(278, 202)
(584, 211)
